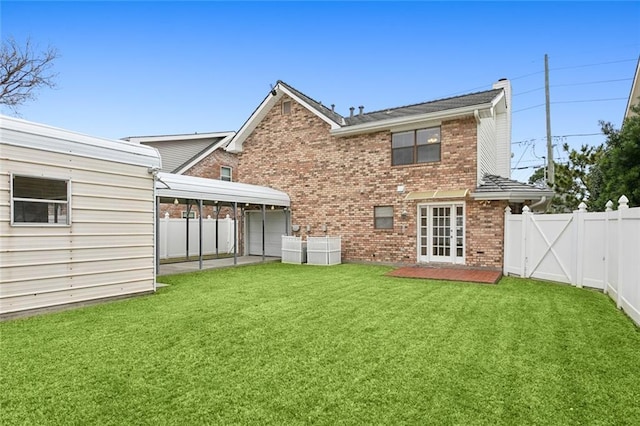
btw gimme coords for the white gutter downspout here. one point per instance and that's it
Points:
(542, 201)
(476, 114)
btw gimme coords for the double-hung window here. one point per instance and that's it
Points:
(415, 146)
(383, 217)
(41, 201)
(225, 173)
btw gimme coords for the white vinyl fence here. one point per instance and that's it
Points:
(173, 236)
(598, 250)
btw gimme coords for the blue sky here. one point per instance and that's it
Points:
(150, 68)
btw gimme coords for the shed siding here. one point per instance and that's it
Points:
(108, 249)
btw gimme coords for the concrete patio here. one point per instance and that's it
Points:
(183, 267)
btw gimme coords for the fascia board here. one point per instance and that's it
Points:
(511, 195)
(497, 99)
(403, 121)
(317, 113)
(235, 146)
(206, 153)
(174, 138)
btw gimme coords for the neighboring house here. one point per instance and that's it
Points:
(197, 154)
(634, 94)
(419, 183)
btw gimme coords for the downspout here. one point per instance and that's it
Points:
(476, 114)
(542, 201)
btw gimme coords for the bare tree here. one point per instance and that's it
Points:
(23, 70)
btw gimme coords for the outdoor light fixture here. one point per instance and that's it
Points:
(176, 202)
(273, 207)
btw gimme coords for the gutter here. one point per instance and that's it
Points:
(409, 120)
(511, 195)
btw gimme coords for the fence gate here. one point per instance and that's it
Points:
(597, 250)
(548, 247)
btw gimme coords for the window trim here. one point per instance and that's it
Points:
(286, 111)
(13, 199)
(230, 173)
(415, 146)
(376, 217)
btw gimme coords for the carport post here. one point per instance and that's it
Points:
(235, 232)
(217, 217)
(200, 232)
(157, 236)
(264, 216)
(187, 236)
(286, 221)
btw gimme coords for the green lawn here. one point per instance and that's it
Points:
(298, 344)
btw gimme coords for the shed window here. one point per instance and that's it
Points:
(225, 173)
(415, 146)
(37, 200)
(383, 217)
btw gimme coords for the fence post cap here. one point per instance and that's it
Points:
(582, 207)
(623, 202)
(166, 215)
(507, 210)
(526, 209)
(609, 206)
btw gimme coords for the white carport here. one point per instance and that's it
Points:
(190, 190)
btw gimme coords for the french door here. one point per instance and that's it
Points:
(441, 233)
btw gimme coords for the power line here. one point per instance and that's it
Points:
(586, 83)
(593, 65)
(559, 136)
(524, 109)
(570, 102)
(588, 100)
(591, 82)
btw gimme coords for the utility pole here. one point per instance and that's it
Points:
(550, 164)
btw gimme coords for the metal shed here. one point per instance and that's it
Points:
(76, 217)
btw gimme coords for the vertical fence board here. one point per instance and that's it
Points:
(597, 250)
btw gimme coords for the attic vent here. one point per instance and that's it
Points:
(286, 107)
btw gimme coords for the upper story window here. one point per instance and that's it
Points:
(39, 201)
(415, 146)
(286, 107)
(225, 173)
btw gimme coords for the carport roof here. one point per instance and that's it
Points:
(172, 186)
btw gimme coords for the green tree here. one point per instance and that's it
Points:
(573, 181)
(618, 170)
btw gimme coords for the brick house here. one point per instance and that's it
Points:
(424, 183)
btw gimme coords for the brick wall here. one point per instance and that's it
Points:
(209, 168)
(336, 182)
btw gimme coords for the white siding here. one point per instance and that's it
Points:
(503, 130)
(107, 250)
(486, 147)
(503, 145)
